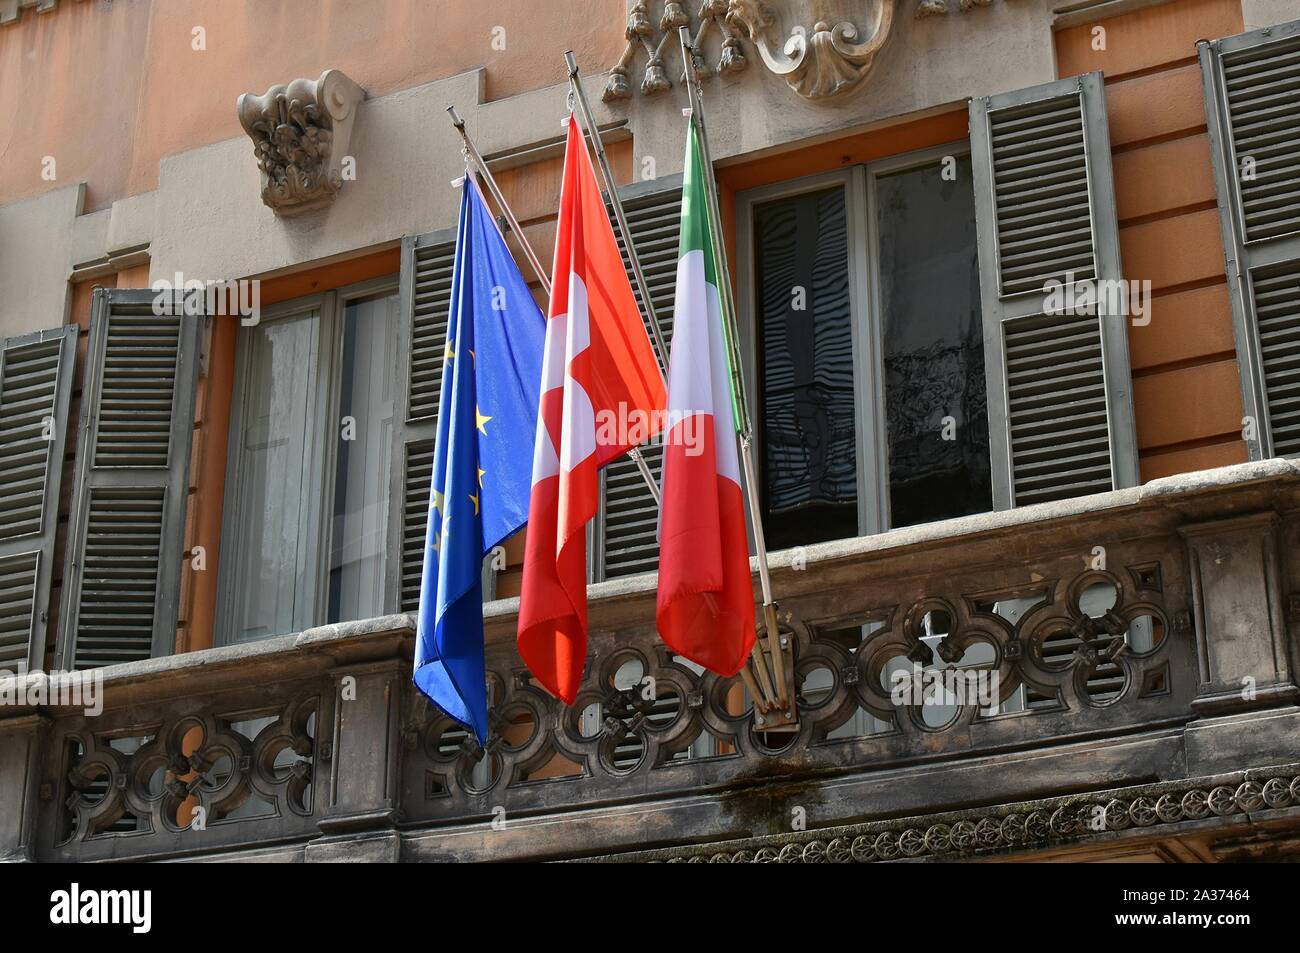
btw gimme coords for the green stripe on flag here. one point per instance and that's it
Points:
(697, 236)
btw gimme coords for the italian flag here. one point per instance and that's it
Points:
(705, 608)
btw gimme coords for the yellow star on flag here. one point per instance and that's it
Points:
(480, 421)
(481, 471)
(475, 499)
(437, 501)
(448, 354)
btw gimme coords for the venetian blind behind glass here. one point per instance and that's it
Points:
(933, 345)
(359, 530)
(273, 477)
(806, 378)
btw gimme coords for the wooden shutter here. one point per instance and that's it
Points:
(627, 525)
(35, 388)
(1252, 108)
(121, 584)
(422, 336)
(1059, 392)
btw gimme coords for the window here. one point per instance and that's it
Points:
(307, 490)
(804, 325)
(359, 532)
(867, 302)
(928, 300)
(867, 345)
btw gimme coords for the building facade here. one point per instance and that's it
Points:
(1018, 287)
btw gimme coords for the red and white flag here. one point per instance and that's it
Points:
(705, 608)
(597, 366)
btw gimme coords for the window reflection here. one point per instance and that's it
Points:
(360, 519)
(273, 471)
(935, 391)
(806, 380)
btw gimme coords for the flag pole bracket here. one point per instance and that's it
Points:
(777, 657)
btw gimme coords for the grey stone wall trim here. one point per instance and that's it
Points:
(1075, 12)
(1259, 795)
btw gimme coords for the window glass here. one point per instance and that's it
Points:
(272, 475)
(359, 534)
(806, 377)
(929, 297)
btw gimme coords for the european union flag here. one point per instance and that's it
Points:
(482, 461)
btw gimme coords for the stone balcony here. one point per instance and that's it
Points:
(1144, 643)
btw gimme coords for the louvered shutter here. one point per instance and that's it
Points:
(1059, 391)
(121, 584)
(1252, 107)
(35, 387)
(626, 528)
(425, 300)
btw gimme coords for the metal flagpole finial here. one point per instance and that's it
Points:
(587, 123)
(474, 159)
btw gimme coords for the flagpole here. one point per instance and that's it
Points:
(745, 426)
(471, 150)
(587, 121)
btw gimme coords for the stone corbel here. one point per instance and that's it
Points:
(820, 63)
(301, 134)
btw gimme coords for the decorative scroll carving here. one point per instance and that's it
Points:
(820, 63)
(301, 134)
(823, 55)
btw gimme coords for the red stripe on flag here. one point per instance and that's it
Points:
(705, 608)
(608, 361)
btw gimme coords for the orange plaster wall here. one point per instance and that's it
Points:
(1186, 385)
(108, 89)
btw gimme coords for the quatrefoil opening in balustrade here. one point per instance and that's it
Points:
(1104, 632)
(221, 769)
(1062, 646)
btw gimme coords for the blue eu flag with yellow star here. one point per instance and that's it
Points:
(482, 460)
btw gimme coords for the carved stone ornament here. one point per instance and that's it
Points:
(822, 62)
(300, 134)
(822, 48)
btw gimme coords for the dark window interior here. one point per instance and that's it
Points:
(806, 380)
(933, 345)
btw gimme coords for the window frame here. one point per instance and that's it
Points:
(859, 183)
(315, 531)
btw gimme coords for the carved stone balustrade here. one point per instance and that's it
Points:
(1144, 644)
